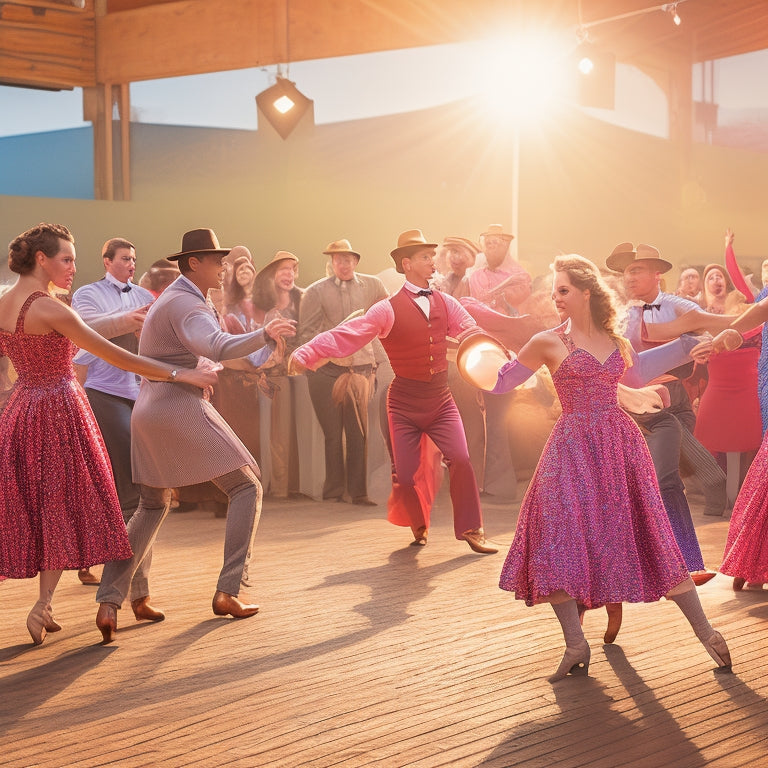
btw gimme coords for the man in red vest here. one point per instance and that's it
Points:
(413, 326)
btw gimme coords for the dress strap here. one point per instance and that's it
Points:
(25, 306)
(566, 339)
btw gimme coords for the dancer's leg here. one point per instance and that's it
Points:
(687, 599)
(40, 619)
(577, 653)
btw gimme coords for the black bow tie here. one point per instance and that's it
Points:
(126, 289)
(424, 292)
(651, 306)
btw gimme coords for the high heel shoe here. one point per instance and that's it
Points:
(575, 662)
(718, 650)
(36, 622)
(614, 621)
(738, 584)
(106, 621)
(478, 543)
(51, 625)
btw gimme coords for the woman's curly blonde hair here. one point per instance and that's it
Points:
(603, 301)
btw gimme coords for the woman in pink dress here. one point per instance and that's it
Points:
(592, 526)
(746, 550)
(58, 504)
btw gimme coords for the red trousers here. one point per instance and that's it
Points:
(415, 409)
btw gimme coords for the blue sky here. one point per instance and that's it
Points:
(355, 87)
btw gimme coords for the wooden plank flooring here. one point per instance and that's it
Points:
(368, 652)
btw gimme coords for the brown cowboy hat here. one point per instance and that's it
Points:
(198, 242)
(496, 230)
(728, 282)
(463, 242)
(625, 254)
(243, 261)
(276, 259)
(408, 242)
(340, 246)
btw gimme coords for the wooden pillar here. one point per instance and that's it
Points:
(680, 94)
(111, 150)
(124, 110)
(97, 109)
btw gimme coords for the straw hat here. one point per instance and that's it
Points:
(496, 230)
(409, 242)
(463, 242)
(479, 359)
(340, 246)
(625, 254)
(280, 256)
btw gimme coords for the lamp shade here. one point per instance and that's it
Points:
(479, 358)
(283, 105)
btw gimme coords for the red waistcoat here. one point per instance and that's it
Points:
(417, 346)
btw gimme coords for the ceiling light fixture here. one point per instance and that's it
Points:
(283, 105)
(670, 8)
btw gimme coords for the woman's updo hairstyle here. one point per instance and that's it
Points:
(584, 275)
(43, 237)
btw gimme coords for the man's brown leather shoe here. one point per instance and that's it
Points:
(142, 610)
(229, 605)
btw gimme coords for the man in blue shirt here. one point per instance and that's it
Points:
(116, 308)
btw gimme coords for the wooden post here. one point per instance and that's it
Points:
(124, 108)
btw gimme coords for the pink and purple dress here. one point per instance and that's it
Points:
(592, 522)
(58, 504)
(746, 550)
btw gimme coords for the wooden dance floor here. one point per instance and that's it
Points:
(369, 652)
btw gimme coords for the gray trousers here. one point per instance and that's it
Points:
(113, 415)
(699, 460)
(243, 490)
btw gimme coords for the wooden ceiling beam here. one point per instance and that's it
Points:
(206, 37)
(64, 6)
(46, 57)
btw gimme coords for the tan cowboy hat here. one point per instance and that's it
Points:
(463, 242)
(276, 259)
(479, 359)
(625, 254)
(408, 242)
(496, 230)
(198, 242)
(340, 246)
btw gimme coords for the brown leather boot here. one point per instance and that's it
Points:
(143, 611)
(229, 605)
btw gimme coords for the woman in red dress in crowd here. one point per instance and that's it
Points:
(58, 505)
(728, 419)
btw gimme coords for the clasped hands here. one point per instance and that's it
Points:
(725, 341)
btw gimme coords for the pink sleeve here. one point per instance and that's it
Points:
(736, 275)
(459, 320)
(347, 337)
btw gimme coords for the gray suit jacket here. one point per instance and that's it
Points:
(177, 437)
